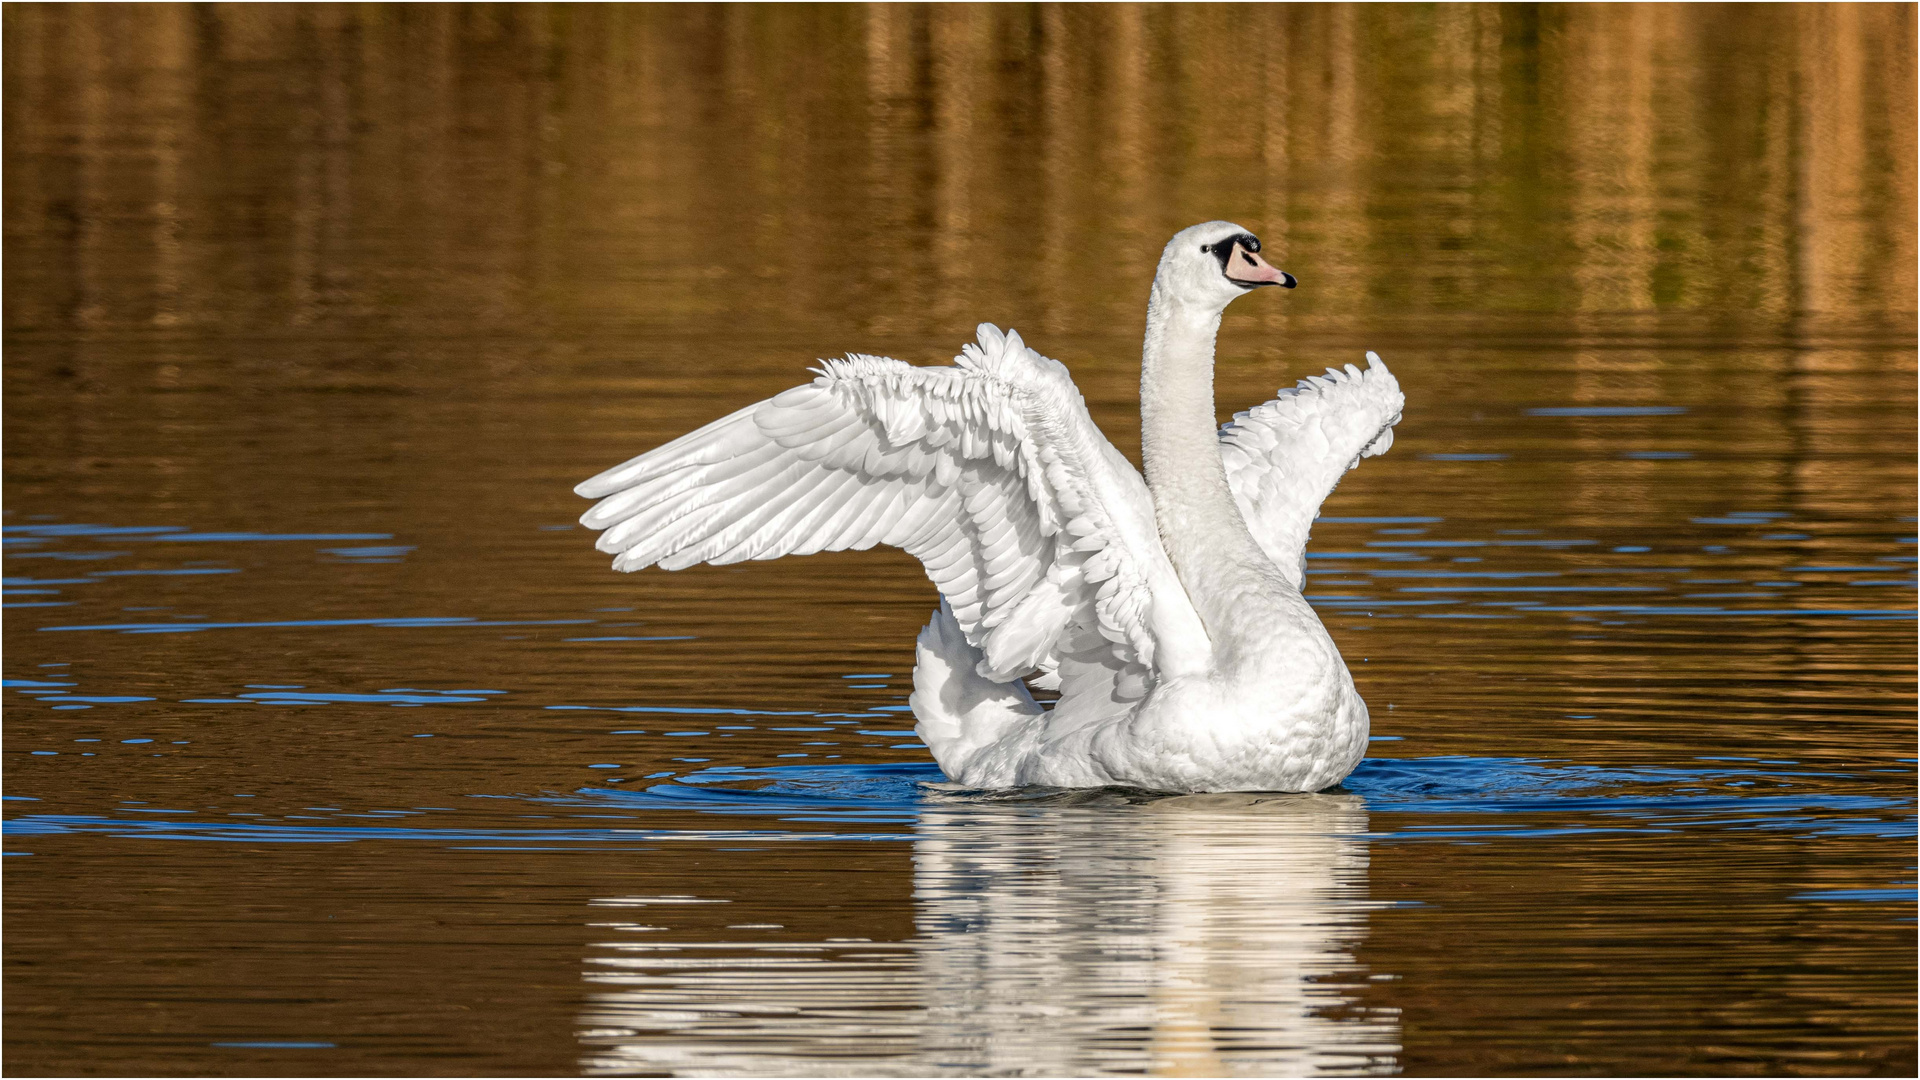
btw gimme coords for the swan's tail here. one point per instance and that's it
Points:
(957, 712)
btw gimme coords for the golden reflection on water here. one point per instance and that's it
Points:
(536, 167)
(1197, 936)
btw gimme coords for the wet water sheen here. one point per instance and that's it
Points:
(332, 747)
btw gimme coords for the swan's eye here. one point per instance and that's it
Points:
(1204, 248)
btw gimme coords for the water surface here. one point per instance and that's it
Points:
(332, 746)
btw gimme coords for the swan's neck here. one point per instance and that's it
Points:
(1201, 526)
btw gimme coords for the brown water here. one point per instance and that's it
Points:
(333, 747)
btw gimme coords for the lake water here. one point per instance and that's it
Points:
(333, 747)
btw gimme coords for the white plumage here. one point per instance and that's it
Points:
(1168, 616)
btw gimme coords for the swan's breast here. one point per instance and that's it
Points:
(1269, 728)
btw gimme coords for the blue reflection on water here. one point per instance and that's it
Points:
(1460, 798)
(425, 620)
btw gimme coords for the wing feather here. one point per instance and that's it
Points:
(989, 471)
(1284, 458)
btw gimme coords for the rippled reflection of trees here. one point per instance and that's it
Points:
(504, 164)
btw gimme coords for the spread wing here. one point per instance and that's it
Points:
(1283, 458)
(989, 471)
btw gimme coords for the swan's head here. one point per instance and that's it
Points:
(1212, 264)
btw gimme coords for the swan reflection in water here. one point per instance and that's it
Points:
(1204, 934)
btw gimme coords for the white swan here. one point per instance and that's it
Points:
(1166, 612)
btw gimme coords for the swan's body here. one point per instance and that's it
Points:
(1166, 610)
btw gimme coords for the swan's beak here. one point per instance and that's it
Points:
(1249, 269)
